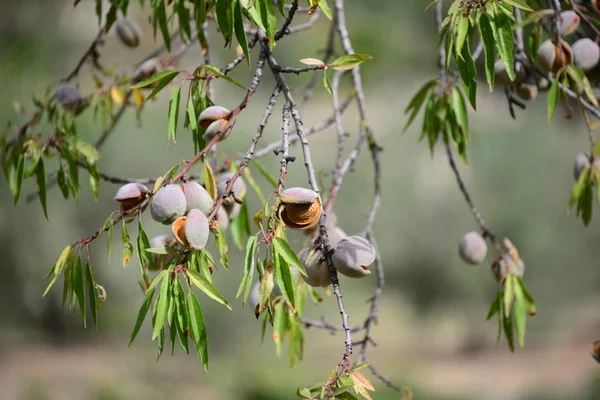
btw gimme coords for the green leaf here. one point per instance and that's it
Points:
(583, 82)
(417, 101)
(284, 279)
(58, 267)
(198, 329)
(62, 182)
(89, 278)
(265, 288)
(40, 175)
(79, 285)
(221, 243)
(144, 258)
(203, 284)
(508, 331)
(217, 72)
(468, 74)
(127, 246)
(15, 177)
(157, 279)
(278, 326)
(460, 111)
(520, 314)
(519, 4)
(504, 41)
(163, 79)
(289, 255)
(327, 83)
(174, 113)
(240, 226)
(462, 28)
(224, 19)
(509, 295)
(495, 308)
(325, 8)
(240, 34)
(160, 15)
(552, 100)
(349, 61)
(162, 307)
(87, 150)
(265, 173)
(487, 38)
(94, 175)
(249, 263)
(182, 316)
(142, 314)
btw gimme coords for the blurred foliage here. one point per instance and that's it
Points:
(520, 173)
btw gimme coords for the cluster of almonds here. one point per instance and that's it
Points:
(185, 207)
(300, 209)
(472, 249)
(551, 57)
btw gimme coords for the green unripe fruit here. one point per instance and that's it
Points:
(317, 272)
(197, 197)
(353, 256)
(69, 96)
(129, 32)
(586, 54)
(167, 204)
(472, 248)
(192, 231)
(568, 22)
(582, 161)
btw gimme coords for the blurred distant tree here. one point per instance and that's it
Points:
(524, 46)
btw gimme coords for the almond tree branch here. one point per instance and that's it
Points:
(323, 238)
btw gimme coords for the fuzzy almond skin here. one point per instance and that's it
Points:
(167, 204)
(146, 70)
(128, 32)
(317, 273)
(196, 229)
(197, 197)
(69, 96)
(298, 195)
(472, 248)
(353, 256)
(551, 57)
(222, 219)
(586, 54)
(239, 188)
(214, 128)
(211, 114)
(568, 22)
(131, 194)
(582, 161)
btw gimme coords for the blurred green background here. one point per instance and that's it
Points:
(432, 335)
